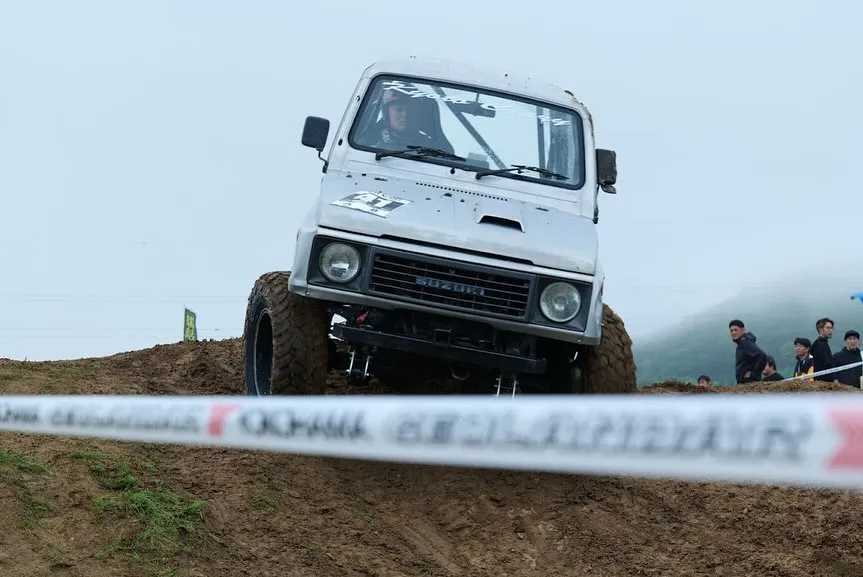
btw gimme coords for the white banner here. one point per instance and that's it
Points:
(805, 439)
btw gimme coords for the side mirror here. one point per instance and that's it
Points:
(315, 132)
(606, 170)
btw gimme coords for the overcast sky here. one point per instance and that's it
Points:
(150, 152)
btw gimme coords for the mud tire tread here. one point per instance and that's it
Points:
(300, 336)
(610, 367)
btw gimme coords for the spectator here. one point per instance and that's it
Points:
(848, 355)
(805, 364)
(820, 349)
(770, 372)
(749, 359)
(703, 381)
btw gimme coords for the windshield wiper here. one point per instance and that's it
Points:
(420, 151)
(519, 168)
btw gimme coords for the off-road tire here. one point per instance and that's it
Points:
(609, 367)
(290, 334)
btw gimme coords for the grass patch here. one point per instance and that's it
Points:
(366, 516)
(21, 462)
(165, 520)
(20, 376)
(34, 508)
(263, 504)
(60, 375)
(162, 522)
(64, 369)
(106, 470)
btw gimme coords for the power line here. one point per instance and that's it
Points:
(137, 337)
(107, 329)
(127, 298)
(113, 241)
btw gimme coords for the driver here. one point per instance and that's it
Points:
(401, 120)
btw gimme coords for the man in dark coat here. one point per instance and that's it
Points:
(820, 350)
(848, 355)
(749, 359)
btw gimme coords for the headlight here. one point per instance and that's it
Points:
(339, 262)
(560, 302)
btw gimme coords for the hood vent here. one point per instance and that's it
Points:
(500, 221)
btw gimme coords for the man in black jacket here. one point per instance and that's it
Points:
(820, 350)
(749, 359)
(848, 355)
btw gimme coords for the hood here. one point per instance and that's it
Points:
(747, 336)
(461, 219)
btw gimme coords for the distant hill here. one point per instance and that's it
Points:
(776, 315)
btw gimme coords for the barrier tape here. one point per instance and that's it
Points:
(795, 439)
(823, 372)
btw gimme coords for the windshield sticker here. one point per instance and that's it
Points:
(376, 203)
(520, 110)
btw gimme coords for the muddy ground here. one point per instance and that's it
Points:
(77, 507)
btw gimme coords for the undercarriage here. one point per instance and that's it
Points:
(392, 344)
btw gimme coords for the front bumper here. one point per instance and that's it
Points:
(441, 348)
(366, 290)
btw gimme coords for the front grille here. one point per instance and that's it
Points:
(475, 288)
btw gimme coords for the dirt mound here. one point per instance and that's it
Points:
(677, 387)
(76, 507)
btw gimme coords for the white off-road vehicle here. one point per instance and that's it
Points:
(454, 230)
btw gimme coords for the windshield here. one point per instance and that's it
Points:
(486, 130)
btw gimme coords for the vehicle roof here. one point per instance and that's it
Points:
(482, 77)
